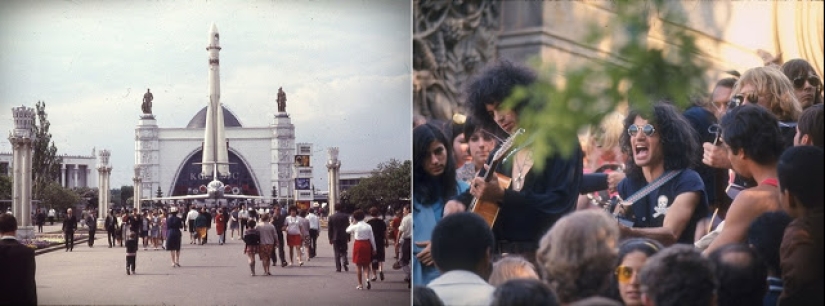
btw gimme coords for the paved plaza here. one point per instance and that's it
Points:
(211, 274)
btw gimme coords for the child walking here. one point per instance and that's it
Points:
(131, 252)
(252, 239)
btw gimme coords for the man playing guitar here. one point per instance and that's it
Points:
(534, 199)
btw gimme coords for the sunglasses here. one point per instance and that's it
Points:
(624, 274)
(738, 99)
(799, 82)
(648, 129)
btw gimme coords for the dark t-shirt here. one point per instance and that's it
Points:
(650, 211)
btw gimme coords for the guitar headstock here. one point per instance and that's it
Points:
(507, 145)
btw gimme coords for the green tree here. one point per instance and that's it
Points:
(45, 162)
(636, 76)
(5, 192)
(89, 196)
(126, 192)
(116, 199)
(59, 197)
(388, 185)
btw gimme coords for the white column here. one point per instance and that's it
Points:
(333, 165)
(75, 170)
(63, 175)
(21, 141)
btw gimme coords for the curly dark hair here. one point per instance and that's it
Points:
(765, 236)
(811, 123)
(427, 189)
(676, 136)
(495, 83)
(755, 130)
(679, 275)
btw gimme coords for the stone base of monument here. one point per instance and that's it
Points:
(147, 116)
(25, 232)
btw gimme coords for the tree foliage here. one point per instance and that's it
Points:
(5, 187)
(59, 197)
(561, 104)
(388, 185)
(89, 196)
(45, 162)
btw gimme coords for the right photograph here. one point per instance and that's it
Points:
(616, 153)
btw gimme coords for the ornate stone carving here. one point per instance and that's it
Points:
(452, 40)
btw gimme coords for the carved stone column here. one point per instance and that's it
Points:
(21, 140)
(333, 173)
(103, 170)
(138, 186)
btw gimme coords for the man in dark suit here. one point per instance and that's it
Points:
(338, 237)
(17, 266)
(91, 222)
(69, 226)
(278, 218)
(110, 224)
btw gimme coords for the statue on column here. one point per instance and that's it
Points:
(147, 102)
(281, 100)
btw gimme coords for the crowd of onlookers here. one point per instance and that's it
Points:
(717, 204)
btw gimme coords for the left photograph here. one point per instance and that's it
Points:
(219, 153)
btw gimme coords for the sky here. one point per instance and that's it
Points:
(345, 66)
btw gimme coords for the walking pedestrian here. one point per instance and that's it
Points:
(304, 223)
(154, 230)
(314, 229)
(233, 223)
(379, 231)
(293, 235)
(252, 241)
(131, 253)
(91, 222)
(190, 219)
(338, 237)
(220, 226)
(243, 217)
(278, 219)
(69, 226)
(364, 247)
(173, 235)
(52, 215)
(268, 241)
(40, 219)
(110, 224)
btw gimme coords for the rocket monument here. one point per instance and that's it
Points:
(214, 141)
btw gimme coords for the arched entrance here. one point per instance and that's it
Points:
(189, 179)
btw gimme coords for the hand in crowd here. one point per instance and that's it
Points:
(613, 179)
(425, 257)
(715, 156)
(487, 191)
(453, 206)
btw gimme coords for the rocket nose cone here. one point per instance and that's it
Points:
(213, 29)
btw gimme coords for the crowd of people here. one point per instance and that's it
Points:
(717, 204)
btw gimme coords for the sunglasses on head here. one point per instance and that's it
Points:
(624, 274)
(648, 129)
(738, 99)
(799, 82)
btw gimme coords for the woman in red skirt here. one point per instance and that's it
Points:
(292, 226)
(364, 247)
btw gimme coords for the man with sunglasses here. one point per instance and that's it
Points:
(659, 165)
(806, 84)
(534, 200)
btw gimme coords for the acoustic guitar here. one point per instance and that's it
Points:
(489, 210)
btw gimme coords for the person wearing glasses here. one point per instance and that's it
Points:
(659, 148)
(633, 253)
(767, 87)
(807, 86)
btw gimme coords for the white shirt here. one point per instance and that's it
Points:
(459, 287)
(314, 223)
(243, 214)
(293, 225)
(406, 227)
(193, 214)
(362, 231)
